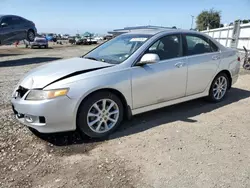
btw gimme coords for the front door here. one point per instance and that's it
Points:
(164, 80)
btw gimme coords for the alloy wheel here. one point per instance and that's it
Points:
(220, 87)
(103, 115)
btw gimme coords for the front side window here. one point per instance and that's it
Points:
(199, 45)
(167, 47)
(118, 49)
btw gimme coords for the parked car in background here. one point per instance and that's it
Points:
(65, 36)
(99, 38)
(107, 37)
(38, 42)
(15, 28)
(51, 37)
(72, 40)
(130, 74)
(92, 40)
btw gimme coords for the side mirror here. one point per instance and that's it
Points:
(149, 59)
(4, 24)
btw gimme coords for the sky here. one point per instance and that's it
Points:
(100, 16)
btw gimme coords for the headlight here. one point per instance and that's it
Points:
(46, 94)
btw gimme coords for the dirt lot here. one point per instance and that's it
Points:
(194, 144)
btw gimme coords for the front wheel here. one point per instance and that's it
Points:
(30, 35)
(219, 88)
(100, 114)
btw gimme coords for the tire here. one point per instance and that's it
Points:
(39, 46)
(246, 66)
(31, 47)
(30, 35)
(220, 81)
(46, 46)
(86, 121)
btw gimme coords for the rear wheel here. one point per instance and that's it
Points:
(219, 88)
(100, 114)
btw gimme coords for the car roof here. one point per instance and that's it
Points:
(156, 31)
(3, 15)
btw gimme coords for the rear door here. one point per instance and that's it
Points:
(203, 58)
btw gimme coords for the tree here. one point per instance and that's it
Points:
(209, 19)
(245, 21)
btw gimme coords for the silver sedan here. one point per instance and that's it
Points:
(130, 74)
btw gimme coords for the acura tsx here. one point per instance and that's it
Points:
(130, 74)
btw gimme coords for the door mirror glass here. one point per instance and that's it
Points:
(149, 58)
(4, 24)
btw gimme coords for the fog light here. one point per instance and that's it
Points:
(29, 118)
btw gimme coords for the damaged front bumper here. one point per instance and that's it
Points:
(46, 116)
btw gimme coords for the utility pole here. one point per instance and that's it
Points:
(192, 21)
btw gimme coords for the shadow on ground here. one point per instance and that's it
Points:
(6, 55)
(181, 112)
(41, 48)
(27, 61)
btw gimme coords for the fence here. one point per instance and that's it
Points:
(235, 36)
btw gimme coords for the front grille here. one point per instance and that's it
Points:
(21, 91)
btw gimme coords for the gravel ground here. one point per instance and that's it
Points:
(194, 144)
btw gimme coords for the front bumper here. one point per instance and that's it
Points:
(48, 116)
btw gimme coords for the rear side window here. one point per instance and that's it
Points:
(199, 45)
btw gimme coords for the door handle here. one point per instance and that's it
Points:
(180, 64)
(216, 57)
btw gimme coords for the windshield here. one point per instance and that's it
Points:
(118, 49)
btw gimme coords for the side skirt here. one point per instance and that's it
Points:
(168, 103)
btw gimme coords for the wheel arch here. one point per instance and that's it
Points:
(227, 72)
(30, 29)
(127, 108)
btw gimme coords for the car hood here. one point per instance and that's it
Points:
(44, 75)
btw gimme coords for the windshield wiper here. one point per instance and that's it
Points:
(92, 58)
